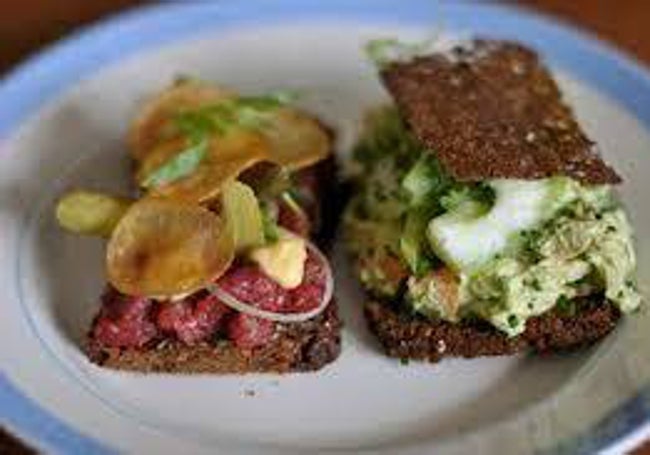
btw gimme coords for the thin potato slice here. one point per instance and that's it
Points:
(297, 140)
(162, 248)
(227, 157)
(155, 118)
(242, 212)
(90, 213)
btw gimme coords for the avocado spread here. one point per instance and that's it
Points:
(509, 249)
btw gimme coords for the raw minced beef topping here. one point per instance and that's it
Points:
(127, 321)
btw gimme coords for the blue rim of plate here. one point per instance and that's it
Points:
(58, 68)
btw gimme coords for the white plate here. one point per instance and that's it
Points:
(62, 120)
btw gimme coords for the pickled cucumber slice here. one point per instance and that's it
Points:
(90, 212)
(242, 212)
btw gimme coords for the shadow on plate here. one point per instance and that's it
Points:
(62, 275)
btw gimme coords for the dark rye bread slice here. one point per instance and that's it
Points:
(492, 110)
(305, 346)
(409, 337)
(296, 347)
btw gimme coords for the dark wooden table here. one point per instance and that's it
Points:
(27, 25)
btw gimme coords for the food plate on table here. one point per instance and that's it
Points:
(64, 124)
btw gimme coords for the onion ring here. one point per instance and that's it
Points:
(231, 301)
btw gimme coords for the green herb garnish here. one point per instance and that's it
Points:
(383, 51)
(386, 137)
(182, 164)
(529, 241)
(631, 284)
(198, 125)
(425, 182)
(413, 244)
(461, 193)
(288, 198)
(566, 306)
(584, 281)
(269, 223)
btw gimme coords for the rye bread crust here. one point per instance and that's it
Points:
(305, 346)
(412, 337)
(492, 110)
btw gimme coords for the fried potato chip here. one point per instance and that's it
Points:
(192, 166)
(156, 116)
(226, 158)
(297, 140)
(162, 248)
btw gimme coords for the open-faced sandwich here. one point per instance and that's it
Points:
(483, 220)
(211, 269)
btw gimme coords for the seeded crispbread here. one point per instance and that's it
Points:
(492, 110)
